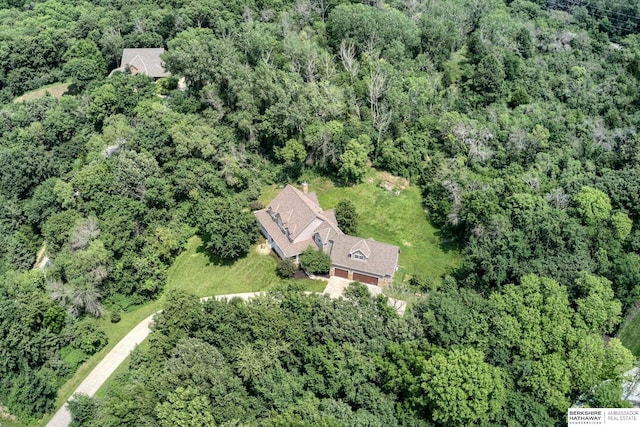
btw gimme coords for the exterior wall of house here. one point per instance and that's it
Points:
(307, 233)
(276, 248)
(271, 243)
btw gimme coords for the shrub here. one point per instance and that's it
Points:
(315, 261)
(286, 268)
(88, 337)
(83, 410)
(115, 317)
(422, 283)
(255, 205)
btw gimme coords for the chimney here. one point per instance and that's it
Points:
(305, 187)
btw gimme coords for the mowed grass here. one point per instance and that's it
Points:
(194, 272)
(630, 334)
(115, 332)
(56, 90)
(386, 217)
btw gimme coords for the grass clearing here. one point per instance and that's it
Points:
(454, 64)
(630, 333)
(195, 272)
(394, 217)
(56, 90)
(387, 217)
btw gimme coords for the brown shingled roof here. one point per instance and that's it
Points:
(295, 210)
(303, 217)
(144, 60)
(382, 259)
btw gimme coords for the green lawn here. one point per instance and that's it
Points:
(630, 334)
(56, 90)
(194, 272)
(390, 218)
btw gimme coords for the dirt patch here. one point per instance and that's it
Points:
(56, 90)
(393, 184)
(397, 181)
(40, 255)
(263, 249)
(5, 415)
(300, 274)
(404, 242)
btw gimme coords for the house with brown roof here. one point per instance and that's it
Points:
(294, 221)
(143, 61)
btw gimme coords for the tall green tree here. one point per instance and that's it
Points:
(347, 216)
(228, 226)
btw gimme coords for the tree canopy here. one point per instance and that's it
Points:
(516, 119)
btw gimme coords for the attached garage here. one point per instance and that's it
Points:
(341, 273)
(363, 278)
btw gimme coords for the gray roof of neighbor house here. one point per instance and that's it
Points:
(381, 258)
(144, 61)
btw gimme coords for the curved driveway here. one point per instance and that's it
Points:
(119, 353)
(115, 357)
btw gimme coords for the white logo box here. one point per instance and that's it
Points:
(611, 417)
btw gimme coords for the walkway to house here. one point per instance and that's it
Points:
(139, 333)
(336, 286)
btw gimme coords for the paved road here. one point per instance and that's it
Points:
(119, 353)
(115, 357)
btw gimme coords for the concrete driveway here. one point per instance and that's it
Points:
(336, 286)
(116, 356)
(113, 359)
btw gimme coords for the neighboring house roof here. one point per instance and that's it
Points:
(143, 61)
(381, 259)
(303, 221)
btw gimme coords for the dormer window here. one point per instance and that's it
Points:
(359, 256)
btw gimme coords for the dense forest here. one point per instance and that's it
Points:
(517, 119)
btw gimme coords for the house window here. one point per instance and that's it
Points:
(359, 256)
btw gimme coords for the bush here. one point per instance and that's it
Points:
(115, 317)
(286, 268)
(255, 205)
(88, 337)
(315, 261)
(83, 410)
(422, 283)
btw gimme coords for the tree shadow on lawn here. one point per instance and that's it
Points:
(447, 241)
(215, 259)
